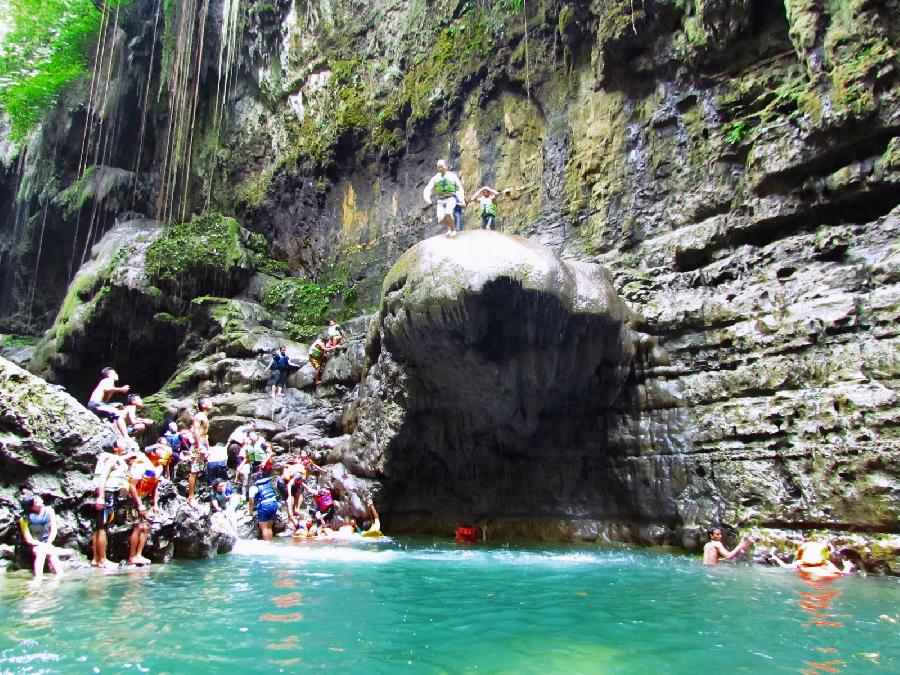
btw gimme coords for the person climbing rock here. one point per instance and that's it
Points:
(448, 190)
(487, 205)
(134, 424)
(319, 353)
(714, 549)
(38, 526)
(264, 500)
(334, 334)
(99, 402)
(143, 487)
(236, 441)
(281, 368)
(200, 448)
(110, 478)
(324, 501)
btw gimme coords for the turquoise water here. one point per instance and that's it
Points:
(415, 606)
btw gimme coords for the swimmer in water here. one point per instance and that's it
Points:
(813, 559)
(714, 551)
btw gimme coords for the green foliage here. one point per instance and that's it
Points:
(48, 46)
(205, 246)
(7, 340)
(303, 303)
(262, 256)
(736, 132)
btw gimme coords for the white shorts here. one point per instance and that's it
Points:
(445, 208)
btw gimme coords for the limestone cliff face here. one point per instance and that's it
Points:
(733, 164)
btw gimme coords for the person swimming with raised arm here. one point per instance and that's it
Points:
(813, 558)
(714, 551)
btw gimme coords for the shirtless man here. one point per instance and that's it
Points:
(134, 424)
(715, 550)
(99, 401)
(200, 449)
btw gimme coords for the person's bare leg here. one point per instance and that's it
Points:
(137, 543)
(55, 565)
(265, 530)
(192, 482)
(40, 557)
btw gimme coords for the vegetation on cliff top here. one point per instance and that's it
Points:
(48, 46)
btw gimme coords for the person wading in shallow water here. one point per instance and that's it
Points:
(715, 550)
(264, 500)
(447, 188)
(200, 449)
(38, 527)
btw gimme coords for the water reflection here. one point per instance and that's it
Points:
(816, 600)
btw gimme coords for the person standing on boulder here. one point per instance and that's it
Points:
(110, 477)
(281, 368)
(448, 189)
(319, 352)
(200, 449)
(143, 485)
(487, 205)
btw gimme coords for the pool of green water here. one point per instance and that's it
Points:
(424, 607)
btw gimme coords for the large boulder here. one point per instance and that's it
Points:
(495, 367)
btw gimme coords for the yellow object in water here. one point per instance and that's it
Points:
(372, 533)
(813, 553)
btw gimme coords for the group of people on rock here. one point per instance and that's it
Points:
(447, 189)
(320, 351)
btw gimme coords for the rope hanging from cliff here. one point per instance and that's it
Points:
(527, 65)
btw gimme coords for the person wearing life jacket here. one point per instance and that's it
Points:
(38, 526)
(812, 558)
(319, 351)
(164, 452)
(447, 188)
(264, 500)
(144, 475)
(714, 551)
(324, 501)
(487, 205)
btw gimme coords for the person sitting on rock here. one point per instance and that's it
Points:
(200, 448)
(134, 424)
(264, 500)
(319, 353)
(714, 549)
(110, 478)
(447, 188)
(334, 334)
(143, 486)
(281, 369)
(38, 526)
(99, 401)
(163, 450)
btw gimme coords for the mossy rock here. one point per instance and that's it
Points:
(203, 256)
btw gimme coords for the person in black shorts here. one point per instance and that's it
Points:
(111, 477)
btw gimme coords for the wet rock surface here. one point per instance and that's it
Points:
(48, 446)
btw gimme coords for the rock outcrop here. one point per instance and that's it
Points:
(48, 446)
